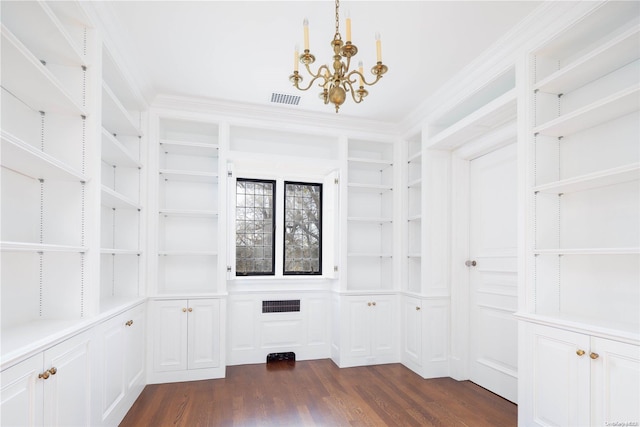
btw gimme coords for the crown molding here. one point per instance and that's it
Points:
(276, 117)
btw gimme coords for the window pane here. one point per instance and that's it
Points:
(254, 227)
(303, 228)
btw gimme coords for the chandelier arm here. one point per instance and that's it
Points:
(350, 77)
(353, 92)
(297, 86)
(318, 73)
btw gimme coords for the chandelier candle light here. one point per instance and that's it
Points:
(336, 84)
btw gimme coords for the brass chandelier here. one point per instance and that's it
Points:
(337, 83)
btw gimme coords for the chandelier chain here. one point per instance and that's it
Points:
(337, 18)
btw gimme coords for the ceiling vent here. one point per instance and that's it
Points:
(281, 98)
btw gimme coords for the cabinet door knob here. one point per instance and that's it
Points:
(580, 352)
(594, 356)
(470, 263)
(417, 308)
(369, 304)
(184, 310)
(373, 303)
(53, 370)
(129, 323)
(44, 375)
(190, 309)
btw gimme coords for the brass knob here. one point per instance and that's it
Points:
(44, 375)
(190, 309)
(580, 352)
(184, 310)
(594, 356)
(53, 370)
(369, 304)
(417, 308)
(129, 323)
(373, 303)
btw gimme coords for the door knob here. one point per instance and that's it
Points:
(470, 263)
(580, 352)
(594, 356)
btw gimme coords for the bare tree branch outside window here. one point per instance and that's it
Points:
(303, 228)
(255, 224)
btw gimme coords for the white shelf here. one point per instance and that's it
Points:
(416, 183)
(370, 220)
(369, 164)
(39, 247)
(38, 27)
(27, 160)
(497, 112)
(599, 179)
(189, 148)
(417, 217)
(370, 188)
(416, 156)
(113, 199)
(588, 251)
(189, 176)
(610, 329)
(621, 50)
(616, 105)
(414, 255)
(188, 213)
(187, 253)
(115, 117)
(110, 251)
(114, 153)
(368, 255)
(25, 77)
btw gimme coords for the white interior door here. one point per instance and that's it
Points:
(493, 339)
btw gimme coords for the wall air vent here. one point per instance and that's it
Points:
(282, 306)
(281, 98)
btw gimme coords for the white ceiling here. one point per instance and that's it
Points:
(242, 51)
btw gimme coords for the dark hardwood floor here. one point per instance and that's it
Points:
(318, 393)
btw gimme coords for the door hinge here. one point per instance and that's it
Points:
(228, 269)
(230, 174)
(336, 181)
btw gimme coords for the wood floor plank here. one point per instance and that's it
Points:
(318, 393)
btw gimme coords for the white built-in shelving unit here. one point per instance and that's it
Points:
(370, 215)
(586, 175)
(580, 311)
(188, 208)
(414, 214)
(44, 172)
(122, 143)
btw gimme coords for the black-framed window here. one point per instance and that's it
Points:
(303, 228)
(255, 226)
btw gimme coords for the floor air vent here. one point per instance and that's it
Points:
(281, 98)
(282, 306)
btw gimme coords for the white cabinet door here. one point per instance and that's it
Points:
(21, 395)
(383, 328)
(170, 335)
(203, 333)
(122, 367)
(67, 393)
(615, 375)
(559, 372)
(412, 331)
(359, 327)
(112, 367)
(134, 344)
